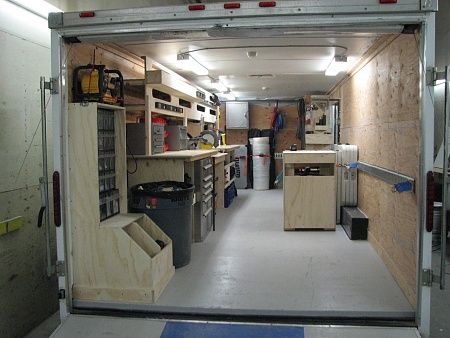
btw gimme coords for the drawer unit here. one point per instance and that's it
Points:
(203, 219)
(203, 209)
(157, 138)
(106, 136)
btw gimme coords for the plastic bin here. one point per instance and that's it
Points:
(169, 205)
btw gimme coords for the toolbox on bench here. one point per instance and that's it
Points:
(355, 223)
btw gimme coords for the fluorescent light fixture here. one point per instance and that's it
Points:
(39, 7)
(219, 86)
(337, 65)
(227, 96)
(188, 63)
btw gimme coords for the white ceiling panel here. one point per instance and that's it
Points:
(296, 63)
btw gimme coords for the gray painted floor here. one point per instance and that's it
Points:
(77, 326)
(249, 263)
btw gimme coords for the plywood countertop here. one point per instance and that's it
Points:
(228, 147)
(309, 156)
(186, 155)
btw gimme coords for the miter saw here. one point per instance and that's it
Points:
(206, 140)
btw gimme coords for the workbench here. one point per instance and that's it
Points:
(309, 186)
(168, 166)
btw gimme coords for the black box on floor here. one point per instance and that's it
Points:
(355, 223)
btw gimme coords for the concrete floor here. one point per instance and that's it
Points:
(95, 326)
(249, 265)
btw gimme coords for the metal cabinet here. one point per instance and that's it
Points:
(237, 115)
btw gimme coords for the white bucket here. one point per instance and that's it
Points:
(259, 140)
(261, 173)
(261, 182)
(261, 149)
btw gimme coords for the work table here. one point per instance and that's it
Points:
(186, 155)
(309, 186)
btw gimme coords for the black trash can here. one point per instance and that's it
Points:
(169, 205)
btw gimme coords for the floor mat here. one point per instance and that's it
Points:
(206, 330)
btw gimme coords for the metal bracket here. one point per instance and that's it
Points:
(400, 183)
(435, 77)
(428, 278)
(52, 86)
(60, 268)
(429, 5)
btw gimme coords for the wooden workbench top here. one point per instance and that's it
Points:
(309, 156)
(309, 152)
(186, 155)
(228, 147)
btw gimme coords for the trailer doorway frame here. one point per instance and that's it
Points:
(350, 14)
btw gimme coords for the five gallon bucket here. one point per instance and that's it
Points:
(261, 162)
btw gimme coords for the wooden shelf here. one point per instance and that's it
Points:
(167, 113)
(120, 220)
(135, 107)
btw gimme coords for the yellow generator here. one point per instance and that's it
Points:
(96, 83)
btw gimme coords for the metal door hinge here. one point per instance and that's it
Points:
(435, 77)
(52, 86)
(61, 294)
(428, 277)
(429, 5)
(60, 268)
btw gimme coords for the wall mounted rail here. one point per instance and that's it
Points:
(399, 182)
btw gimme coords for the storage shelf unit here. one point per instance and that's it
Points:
(166, 95)
(116, 259)
(309, 200)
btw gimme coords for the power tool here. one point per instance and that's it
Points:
(96, 83)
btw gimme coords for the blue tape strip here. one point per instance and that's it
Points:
(403, 187)
(353, 165)
(207, 330)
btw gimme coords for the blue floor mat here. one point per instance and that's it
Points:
(206, 330)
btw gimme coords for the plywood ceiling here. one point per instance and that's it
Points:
(295, 64)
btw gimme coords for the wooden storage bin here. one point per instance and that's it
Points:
(309, 201)
(127, 264)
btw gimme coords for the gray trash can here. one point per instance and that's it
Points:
(169, 205)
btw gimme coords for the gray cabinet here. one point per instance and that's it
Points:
(237, 115)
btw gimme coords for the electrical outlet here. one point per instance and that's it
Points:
(278, 156)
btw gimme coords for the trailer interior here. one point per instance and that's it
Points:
(250, 264)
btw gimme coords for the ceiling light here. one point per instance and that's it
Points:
(219, 86)
(252, 54)
(337, 65)
(188, 63)
(39, 7)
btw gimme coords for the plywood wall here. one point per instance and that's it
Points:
(260, 117)
(380, 114)
(79, 54)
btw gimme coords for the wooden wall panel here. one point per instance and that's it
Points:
(380, 114)
(260, 117)
(131, 66)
